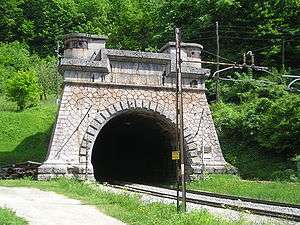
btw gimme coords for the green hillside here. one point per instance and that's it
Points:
(25, 135)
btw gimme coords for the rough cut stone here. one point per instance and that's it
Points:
(101, 83)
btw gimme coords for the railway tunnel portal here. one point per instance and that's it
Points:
(117, 114)
(139, 142)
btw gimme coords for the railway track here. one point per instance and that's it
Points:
(260, 207)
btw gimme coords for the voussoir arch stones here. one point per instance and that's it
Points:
(162, 111)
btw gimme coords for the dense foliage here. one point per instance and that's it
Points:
(139, 24)
(24, 77)
(262, 118)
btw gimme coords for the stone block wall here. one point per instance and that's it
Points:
(86, 107)
(101, 83)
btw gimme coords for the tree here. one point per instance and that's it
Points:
(133, 24)
(13, 57)
(46, 22)
(283, 117)
(49, 80)
(23, 88)
(95, 16)
(11, 18)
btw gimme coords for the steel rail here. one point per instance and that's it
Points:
(262, 212)
(244, 199)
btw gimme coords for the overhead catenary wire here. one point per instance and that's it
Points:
(236, 26)
(271, 45)
(249, 80)
(236, 29)
(295, 69)
(212, 37)
(221, 57)
(250, 38)
(230, 30)
(275, 42)
(292, 39)
(276, 39)
(252, 27)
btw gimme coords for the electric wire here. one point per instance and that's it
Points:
(217, 55)
(275, 42)
(249, 38)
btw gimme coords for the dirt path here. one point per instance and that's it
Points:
(47, 208)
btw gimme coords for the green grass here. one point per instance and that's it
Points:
(129, 209)
(8, 217)
(25, 135)
(6, 105)
(233, 185)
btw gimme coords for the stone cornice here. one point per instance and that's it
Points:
(128, 86)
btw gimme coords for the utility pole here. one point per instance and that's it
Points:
(283, 54)
(177, 143)
(218, 61)
(180, 111)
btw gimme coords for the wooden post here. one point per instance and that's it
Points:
(218, 61)
(180, 110)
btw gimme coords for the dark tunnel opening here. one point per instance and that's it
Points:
(135, 146)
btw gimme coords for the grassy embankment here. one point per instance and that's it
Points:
(25, 135)
(8, 217)
(233, 185)
(129, 209)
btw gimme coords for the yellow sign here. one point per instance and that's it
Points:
(175, 155)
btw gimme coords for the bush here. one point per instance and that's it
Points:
(23, 88)
(13, 57)
(259, 127)
(285, 175)
(269, 121)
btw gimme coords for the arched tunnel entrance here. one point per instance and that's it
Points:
(135, 146)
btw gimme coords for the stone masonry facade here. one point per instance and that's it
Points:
(100, 84)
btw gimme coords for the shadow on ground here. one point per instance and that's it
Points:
(32, 148)
(257, 164)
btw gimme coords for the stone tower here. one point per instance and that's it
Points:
(116, 117)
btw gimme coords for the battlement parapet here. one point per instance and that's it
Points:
(87, 59)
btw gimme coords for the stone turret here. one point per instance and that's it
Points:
(188, 50)
(83, 46)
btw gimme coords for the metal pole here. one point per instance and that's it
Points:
(181, 135)
(218, 61)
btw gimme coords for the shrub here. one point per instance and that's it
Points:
(23, 88)
(285, 175)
